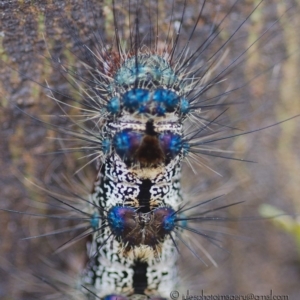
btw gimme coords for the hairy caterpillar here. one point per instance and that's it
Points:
(238, 39)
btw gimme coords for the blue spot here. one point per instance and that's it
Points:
(121, 142)
(126, 142)
(184, 106)
(171, 143)
(117, 217)
(113, 106)
(169, 223)
(94, 221)
(167, 97)
(175, 144)
(106, 146)
(135, 98)
(168, 218)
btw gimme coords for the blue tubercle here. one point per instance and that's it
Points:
(94, 221)
(169, 217)
(135, 98)
(117, 218)
(166, 97)
(113, 106)
(184, 106)
(106, 146)
(175, 144)
(121, 142)
(171, 143)
(126, 142)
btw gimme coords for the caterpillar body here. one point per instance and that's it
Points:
(146, 101)
(146, 106)
(139, 182)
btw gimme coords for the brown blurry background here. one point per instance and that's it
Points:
(266, 257)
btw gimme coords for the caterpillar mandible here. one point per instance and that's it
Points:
(199, 95)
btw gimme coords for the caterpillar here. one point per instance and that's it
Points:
(195, 135)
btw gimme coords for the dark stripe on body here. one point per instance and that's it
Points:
(140, 281)
(144, 196)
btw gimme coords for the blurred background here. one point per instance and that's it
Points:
(263, 55)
